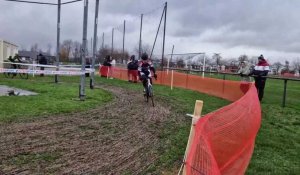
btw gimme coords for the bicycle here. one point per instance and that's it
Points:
(14, 74)
(149, 91)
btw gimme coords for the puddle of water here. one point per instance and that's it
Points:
(4, 91)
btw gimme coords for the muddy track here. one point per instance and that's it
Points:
(120, 137)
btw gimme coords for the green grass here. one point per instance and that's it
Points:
(51, 99)
(35, 158)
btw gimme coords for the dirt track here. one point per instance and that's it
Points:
(121, 137)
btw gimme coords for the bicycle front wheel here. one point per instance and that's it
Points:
(9, 75)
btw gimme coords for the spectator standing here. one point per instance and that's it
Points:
(132, 67)
(260, 71)
(107, 63)
(42, 61)
(87, 66)
(244, 72)
(113, 65)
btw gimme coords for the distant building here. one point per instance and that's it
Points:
(7, 49)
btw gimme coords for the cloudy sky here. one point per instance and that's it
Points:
(229, 27)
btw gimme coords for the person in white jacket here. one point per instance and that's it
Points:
(244, 71)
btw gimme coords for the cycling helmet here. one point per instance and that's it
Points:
(144, 56)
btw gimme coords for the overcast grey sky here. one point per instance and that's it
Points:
(229, 27)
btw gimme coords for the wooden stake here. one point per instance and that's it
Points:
(196, 117)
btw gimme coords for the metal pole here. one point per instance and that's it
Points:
(140, 42)
(83, 51)
(112, 41)
(91, 46)
(123, 41)
(164, 37)
(170, 60)
(102, 41)
(162, 15)
(284, 93)
(57, 39)
(172, 54)
(92, 80)
(204, 64)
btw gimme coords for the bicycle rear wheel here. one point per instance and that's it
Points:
(150, 94)
(9, 75)
(23, 75)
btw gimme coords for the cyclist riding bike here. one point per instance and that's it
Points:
(15, 59)
(144, 70)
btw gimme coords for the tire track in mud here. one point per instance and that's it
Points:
(120, 137)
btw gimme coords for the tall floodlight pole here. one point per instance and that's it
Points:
(164, 38)
(83, 51)
(57, 39)
(92, 80)
(123, 41)
(112, 41)
(204, 64)
(91, 46)
(102, 46)
(140, 41)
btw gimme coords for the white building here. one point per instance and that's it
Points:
(7, 49)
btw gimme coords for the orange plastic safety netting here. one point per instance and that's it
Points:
(224, 139)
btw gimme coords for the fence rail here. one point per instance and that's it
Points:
(285, 80)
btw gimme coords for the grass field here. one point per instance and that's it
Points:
(52, 99)
(277, 149)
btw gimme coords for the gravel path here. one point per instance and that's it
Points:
(118, 138)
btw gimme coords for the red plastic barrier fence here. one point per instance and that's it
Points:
(103, 71)
(133, 75)
(224, 139)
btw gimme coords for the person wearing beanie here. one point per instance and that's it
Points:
(260, 72)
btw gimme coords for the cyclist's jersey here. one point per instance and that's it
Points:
(145, 68)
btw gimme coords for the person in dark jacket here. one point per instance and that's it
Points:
(260, 71)
(107, 61)
(132, 67)
(42, 61)
(87, 66)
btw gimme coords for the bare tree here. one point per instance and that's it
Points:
(243, 58)
(180, 63)
(75, 51)
(277, 66)
(296, 65)
(287, 65)
(49, 48)
(253, 60)
(34, 48)
(218, 58)
(66, 50)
